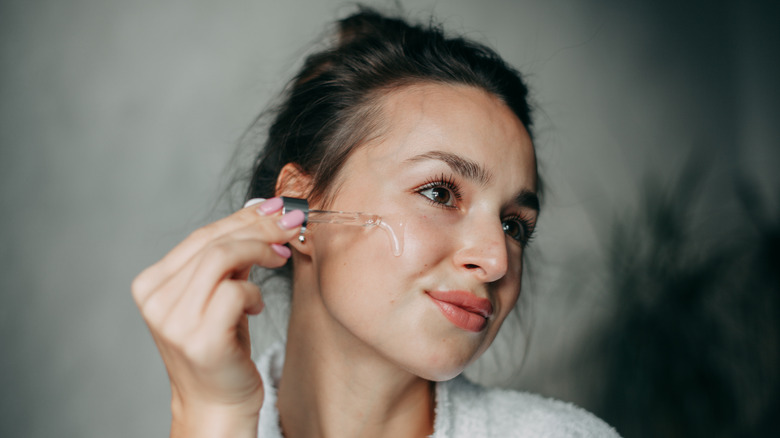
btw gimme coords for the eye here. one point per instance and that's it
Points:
(518, 229)
(442, 192)
(439, 195)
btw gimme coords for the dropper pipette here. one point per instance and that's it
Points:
(345, 218)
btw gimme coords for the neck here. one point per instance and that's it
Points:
(334, 385)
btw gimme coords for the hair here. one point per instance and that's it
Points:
(333, 104)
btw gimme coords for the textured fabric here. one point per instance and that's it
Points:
(464, 410)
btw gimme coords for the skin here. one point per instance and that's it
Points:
(365, 339)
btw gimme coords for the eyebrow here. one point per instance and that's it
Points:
(463, 166)
(528, 199)
(474, 171)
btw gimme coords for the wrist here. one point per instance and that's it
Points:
(214, 420)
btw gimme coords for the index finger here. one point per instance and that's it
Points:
(198, 239)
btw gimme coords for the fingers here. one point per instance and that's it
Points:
(195, 301)
(245, 218)
(185, 294)
(212, 330)
(253, 222)
(232, 300)
(220, 263)
(191, 288)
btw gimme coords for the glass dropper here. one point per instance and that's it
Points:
(395, 232)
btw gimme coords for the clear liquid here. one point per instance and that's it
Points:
(394, 229)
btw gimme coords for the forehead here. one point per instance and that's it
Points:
(458, 119)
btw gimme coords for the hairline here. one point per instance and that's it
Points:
(374, 104)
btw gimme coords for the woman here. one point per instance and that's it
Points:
(432, 134)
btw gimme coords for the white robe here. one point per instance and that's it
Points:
(464, 410)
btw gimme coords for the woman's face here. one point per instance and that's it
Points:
(457, 167)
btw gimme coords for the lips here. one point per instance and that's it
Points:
(463, 308)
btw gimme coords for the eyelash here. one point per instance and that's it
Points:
(528, 229)
(448, 182)
(442, 181)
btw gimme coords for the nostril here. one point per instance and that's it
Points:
(471, 266)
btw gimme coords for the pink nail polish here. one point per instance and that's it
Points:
(253, 201)
(270, 206)
(282, 250)
(291, 219)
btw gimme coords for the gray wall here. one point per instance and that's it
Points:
(118, 119)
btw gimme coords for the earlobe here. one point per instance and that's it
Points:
(302, 243)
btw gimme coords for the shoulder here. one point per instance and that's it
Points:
(468, 409)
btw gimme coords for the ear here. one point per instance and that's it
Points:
(293, 182)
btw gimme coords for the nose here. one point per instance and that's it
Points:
(483, 249)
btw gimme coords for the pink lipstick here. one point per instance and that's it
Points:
(462, 308)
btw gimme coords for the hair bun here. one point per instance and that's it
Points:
(333, 104)
(368, 24)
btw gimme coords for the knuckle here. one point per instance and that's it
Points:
(153, 309)
(229, 296)
(204, 234)
(198, 349)
(252, 288)
(247, 217)
(253, 295)
(140, 287)
(227, 291)
(218, 252)
(172, 333)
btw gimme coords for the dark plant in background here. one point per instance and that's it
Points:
(693, 348)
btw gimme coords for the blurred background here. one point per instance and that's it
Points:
(653, 297)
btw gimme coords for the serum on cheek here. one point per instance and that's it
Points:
(393, 228)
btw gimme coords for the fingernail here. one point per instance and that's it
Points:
(253, 201)
(282, 250)
(291, 219)
(270, 206)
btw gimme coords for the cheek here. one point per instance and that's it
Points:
(364, 285)
(515, 273)
(357, 274)
(365, 255)
(508, 289)
(426, 242)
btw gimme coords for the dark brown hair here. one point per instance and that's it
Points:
(332, 105)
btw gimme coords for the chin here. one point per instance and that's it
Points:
(443, 375)
(440, 364)
(441, 371)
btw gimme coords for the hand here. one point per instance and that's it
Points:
(195, 302)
